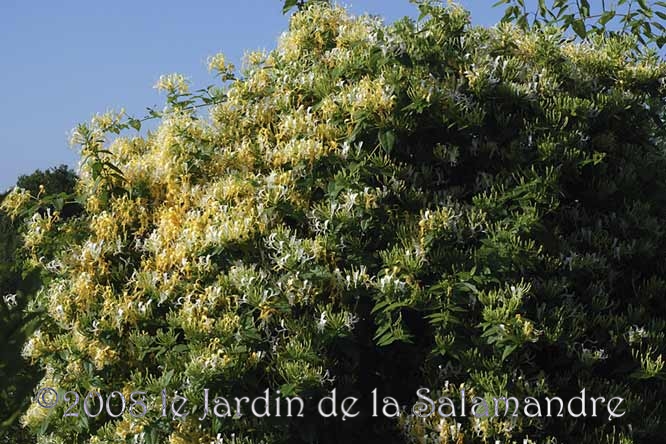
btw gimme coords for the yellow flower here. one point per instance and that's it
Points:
(102, 355)
(218, 63)
(172, 83)
(127, 427)
(15, 201)
(102, 122)
(266, 311)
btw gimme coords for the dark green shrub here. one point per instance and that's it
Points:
(18, 281)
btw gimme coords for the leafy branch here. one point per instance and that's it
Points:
(645, 20)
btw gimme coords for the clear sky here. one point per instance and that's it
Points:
(63, 61)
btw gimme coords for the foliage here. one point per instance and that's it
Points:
(12, 367)
(60, 179)
(18, 282)
(643, 19)
(289, 5)
(425, 204)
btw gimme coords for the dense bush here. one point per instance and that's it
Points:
(18, 282)
(18, 379)
(426, 204)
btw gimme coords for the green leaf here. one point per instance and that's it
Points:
(387, 141)
(522, 22)
(289, 5)
(606, 17)
(135, 123)
(96, 169)
(114, 168)
(289, 389)
(424, 12)
(508, 350)
(647, 30)
(181, 348)
(510, 13)
(578, 26)
(333, 190)
(380, 306)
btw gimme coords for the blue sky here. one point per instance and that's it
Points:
(62, 62)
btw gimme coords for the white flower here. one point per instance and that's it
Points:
(322, 321)
(345, 150)
(636, 334)
(10, 300)
(172, 83)
(54, 266)
(350, 320)
(326, 377)
(29, 346)
(143, 306)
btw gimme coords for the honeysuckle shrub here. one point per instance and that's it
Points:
(370, 206)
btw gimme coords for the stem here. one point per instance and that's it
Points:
(627, 17)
